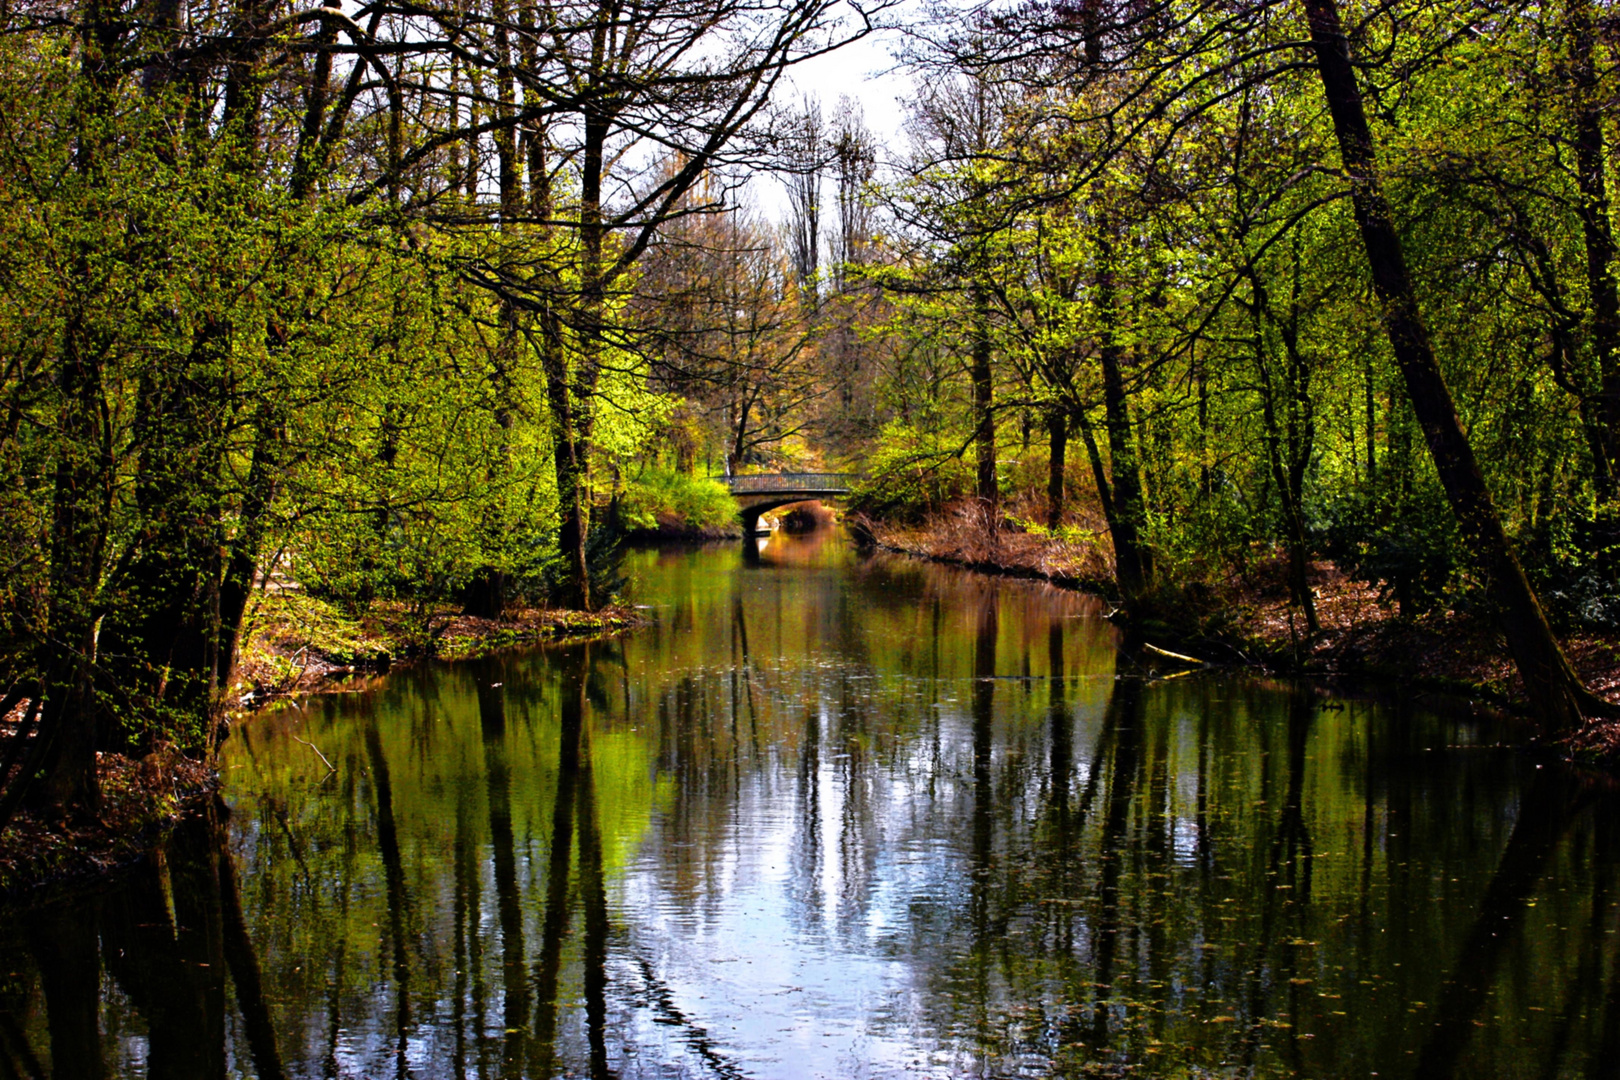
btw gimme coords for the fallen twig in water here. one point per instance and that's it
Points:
(1173, 655)
(318, 753)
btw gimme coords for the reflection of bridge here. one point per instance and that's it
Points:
(768, 491)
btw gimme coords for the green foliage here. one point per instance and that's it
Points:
(912, 471)
(604, 559)
(1574, 562)
(660, 495)
(1405, 542)
(1186, 283)
(326, 628)
(1213, 532)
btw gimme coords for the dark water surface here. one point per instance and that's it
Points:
(843, 817)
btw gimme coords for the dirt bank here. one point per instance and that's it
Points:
(141, 800)
(958, 536)
(298, 645)
(1246, 618)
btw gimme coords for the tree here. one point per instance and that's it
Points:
(688, 78)
(957, 127)
(270, 337)
(1557, 694)
(1124, 104)
(803, 152)
(852, 245)
(732, 332)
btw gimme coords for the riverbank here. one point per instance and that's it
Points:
(1084, 562)
(1248, 619)
(141, 801)
(299, 644)
(676, 531)
(818, 668)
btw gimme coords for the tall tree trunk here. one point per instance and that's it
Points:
(565, 461)
(1288, 474)
(161, 645)
(506, 136)
(1057, 441)
(308, 160)
(1127, 574)
(487, 592)
(81, 508)
(1596, 230)
(244, 85)
(1132, 563)
(1201, 373)
(567, 465)
(247, 547)
(1554, 690)
(1099, 471)
(79, 522)
(1370, 408)
(242, 125)
(573, 506)
(984, 434)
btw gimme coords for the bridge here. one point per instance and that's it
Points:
(768, 491)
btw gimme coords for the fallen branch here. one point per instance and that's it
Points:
(318, 753)
(1173, 655)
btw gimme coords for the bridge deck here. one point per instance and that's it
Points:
(789, 483)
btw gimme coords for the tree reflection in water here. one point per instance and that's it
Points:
(843, 816)
(166, 939)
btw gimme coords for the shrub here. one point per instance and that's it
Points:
(1574, 562)
(664, 496)
(604, 557)
(911, 473)
(1406, 543)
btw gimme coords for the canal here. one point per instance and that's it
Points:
(836, 814)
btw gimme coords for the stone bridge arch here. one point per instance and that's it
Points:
(758, 493)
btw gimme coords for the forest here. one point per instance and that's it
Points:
(428, 304)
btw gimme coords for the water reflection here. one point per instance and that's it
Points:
(844, 816)
(135, 981)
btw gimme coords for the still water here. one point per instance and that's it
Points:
(833, 815)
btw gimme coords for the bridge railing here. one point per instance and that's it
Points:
(770, 483)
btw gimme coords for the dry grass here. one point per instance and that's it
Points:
(298, 644)
(1250, 616)
(962, 533)
(1460, 651)
(1361, 634)
(140, 801)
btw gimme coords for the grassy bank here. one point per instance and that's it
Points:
(299, 644)
(662, 504)
(302, 644)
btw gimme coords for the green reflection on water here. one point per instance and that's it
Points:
(843, 816)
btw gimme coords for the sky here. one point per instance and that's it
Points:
(865, 71)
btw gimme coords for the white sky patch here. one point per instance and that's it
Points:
(865, 71)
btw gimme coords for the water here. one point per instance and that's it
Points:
(835, 816)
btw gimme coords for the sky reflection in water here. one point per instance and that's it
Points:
(842, 816)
